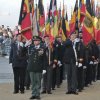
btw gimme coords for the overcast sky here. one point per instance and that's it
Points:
(9, 13)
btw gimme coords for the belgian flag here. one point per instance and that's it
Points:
(88, 27)
(25, 21)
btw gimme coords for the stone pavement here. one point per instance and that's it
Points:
(90, 93)
(6, 88)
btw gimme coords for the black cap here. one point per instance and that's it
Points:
(36, 38)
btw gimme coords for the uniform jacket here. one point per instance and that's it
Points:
(69, 55)
(18, 57)
(36, 59)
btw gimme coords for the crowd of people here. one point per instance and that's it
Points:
(6, 36)
(39, 59)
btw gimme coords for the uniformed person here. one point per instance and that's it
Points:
(36, 66)
(18, 58)
(58, 56)
(80, 59)
(47, 77)
(70, 58)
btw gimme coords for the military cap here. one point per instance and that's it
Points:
(36, 38)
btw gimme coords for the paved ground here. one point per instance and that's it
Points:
(6, 88)
(5, 71)
(91, 93)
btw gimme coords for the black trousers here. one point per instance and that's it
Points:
(47, 80)
(80, 77)
(19, 78)
(27, 79)
(71, 76)
(98, 72)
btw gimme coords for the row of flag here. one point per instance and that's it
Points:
(85, 17)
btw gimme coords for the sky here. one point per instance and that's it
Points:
(9, 13)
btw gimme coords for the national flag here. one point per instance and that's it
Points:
(67, 25)
(34, 25)
(88, 27)
(81, 11)
(98, 37)
(64, 32)
(86, 34)
(53, 8)
(53, 15)
(31, 6)
(41, 14)
(74, 19)
(24, 20)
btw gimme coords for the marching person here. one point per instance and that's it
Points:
(36, 66)
(47, 77)
(18, 58)
(70, 59)
(58, 56)
(80, 50)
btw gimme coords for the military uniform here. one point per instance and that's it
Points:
(35, 67)
(18, 58)
(80, 56)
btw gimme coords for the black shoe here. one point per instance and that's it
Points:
(27, 88)
(15, 92)
(22, 92)
(37, 97)
(76, 93)
(49, 92)
(58, 86)
(69, 92)
(80, 90)
(43, 92)
(33, 97)
(53, 89)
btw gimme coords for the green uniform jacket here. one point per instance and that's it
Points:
(36, 60)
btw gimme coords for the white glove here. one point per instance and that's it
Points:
(84, 67)
(91, 62)
(21, 44)
(28, 42)
(76, 63)
(44, 71)
(80, 65)
(59, 63)
(95, 62)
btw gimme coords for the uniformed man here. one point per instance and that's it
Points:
(47, 77)
(58, 56)
(18, 58)
(80, 59)
(70, 58)
(36, 66)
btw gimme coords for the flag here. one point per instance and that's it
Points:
(53, 15)
(98, 37)
(87, 37)
(31, 6)
(81, 11)
(67, 25)
(34, 25)
(53, 8)
(41, 15)
(64, 32)
(24, 20)
(74, 19)
(88, 7)
(88, 26)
